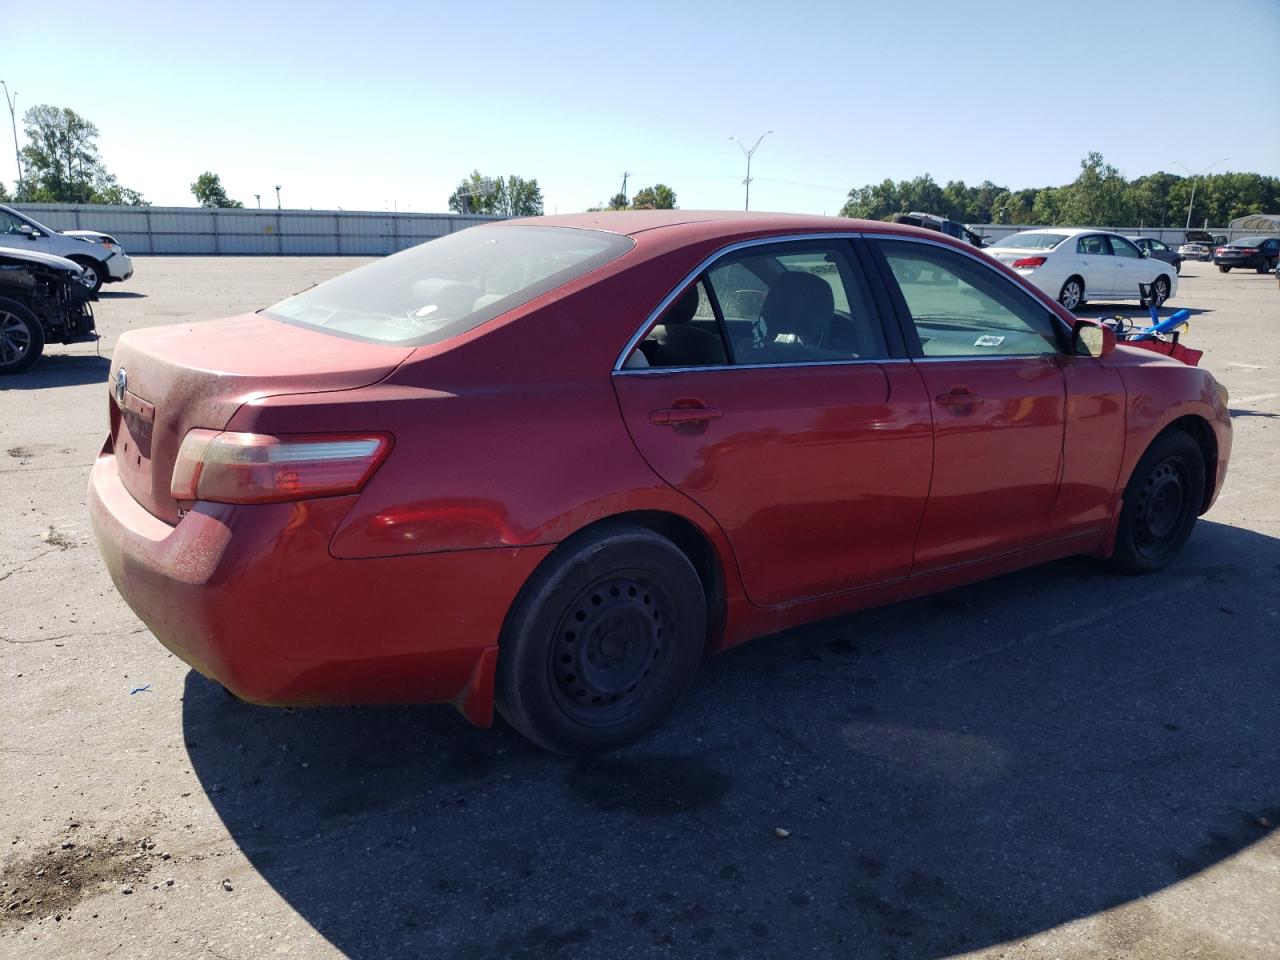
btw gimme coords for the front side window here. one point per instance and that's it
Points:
(962, 308)
(443, 288)
(1157, 245)
(9, 224)
(800, 302)
(1093, 245)
(1124, 248)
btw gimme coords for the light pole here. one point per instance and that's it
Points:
(747, 153)
(1193, 184)
(13, 122)
(277, 196)
(258, 197)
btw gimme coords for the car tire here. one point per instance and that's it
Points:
(93, 268)
(1161, 504)
(1160, 290)
(1265, 266)
(1071, 295)
(1224, 269)
(602, 641)
(21, 337)
(1177, 267)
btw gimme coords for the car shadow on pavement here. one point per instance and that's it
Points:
(59, 370)
(120, 295)
(932, 777)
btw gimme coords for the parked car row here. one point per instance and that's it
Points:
(100, 256)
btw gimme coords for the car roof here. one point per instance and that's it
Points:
(702, 224)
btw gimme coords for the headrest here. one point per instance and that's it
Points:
(683, 309)
(799, 303)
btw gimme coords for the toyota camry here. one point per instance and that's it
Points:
(547, 464)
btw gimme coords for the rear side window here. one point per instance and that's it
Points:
(961, 308)
(446, 287)
(1093, 245)
(799, 302)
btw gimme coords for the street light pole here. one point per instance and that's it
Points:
(747, 182)
(258, 197)
(12, 101)
(277, 196)
(1193, 184)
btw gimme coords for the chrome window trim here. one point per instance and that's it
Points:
(722, 252)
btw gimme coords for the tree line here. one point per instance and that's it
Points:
(1099, 197)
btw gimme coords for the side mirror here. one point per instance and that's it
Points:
(30, 231)
(1090, 339)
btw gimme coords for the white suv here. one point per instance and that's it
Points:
(103, 260)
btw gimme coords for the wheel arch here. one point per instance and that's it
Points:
(689, 539)
(1198, 428)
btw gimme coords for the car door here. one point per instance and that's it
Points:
(1131, 267)
(770, 392)
(987, 354)
(1096, 264)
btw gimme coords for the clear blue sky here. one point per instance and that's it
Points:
(363, 105)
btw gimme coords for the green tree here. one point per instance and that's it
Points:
(61, 160)
(873, 202)
(4, 194)
(209, 191)
(1099, 197)
(657, 197)
(513, 196)
(618, 202)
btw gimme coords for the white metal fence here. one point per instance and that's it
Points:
(197, 230)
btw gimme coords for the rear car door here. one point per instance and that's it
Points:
(768, 390)
(1096, 265)
(987, 353)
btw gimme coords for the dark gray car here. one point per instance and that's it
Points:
(1158, 250)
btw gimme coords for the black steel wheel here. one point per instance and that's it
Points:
(602, 641)
(1161, 504)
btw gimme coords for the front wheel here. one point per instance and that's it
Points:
(1161, 503)
(1072, 293)
(1160, 290)
(94, 273)
(602, 641)
(21, 337)
(1265, 266)
(1224, 269)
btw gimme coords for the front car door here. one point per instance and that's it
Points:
(1132, 268)
(13, 235)
(987, 353)
(769, 390)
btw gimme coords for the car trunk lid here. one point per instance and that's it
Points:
(169, 380)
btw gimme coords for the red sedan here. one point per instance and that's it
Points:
(549, 463)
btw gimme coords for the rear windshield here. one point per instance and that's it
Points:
(446, 287)
(1248, 241)
(1031, 241)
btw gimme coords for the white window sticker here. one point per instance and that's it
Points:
(988, 340)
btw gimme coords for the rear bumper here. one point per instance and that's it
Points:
(251, 598)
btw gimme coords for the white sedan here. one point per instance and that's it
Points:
(1074, 265)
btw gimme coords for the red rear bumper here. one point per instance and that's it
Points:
(251, 597)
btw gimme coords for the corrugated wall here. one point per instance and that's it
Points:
(196, 230)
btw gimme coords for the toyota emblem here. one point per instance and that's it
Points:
(122, 385)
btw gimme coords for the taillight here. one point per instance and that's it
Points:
(1029, 263)
(1248, 250)
(1221, 250)
(256, 468)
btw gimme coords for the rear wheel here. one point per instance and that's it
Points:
(1224, 269)
(21, 337)
(1072, 293)
(1265, 266)
(1161, 503)
(602, 641)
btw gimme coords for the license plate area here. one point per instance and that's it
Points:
(132, 443)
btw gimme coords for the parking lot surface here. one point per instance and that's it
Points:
(1058, 763)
